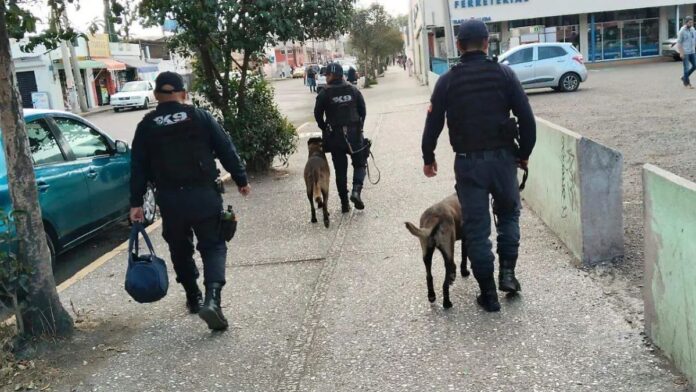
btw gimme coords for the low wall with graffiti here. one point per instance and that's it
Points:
(670, 271)
(575, 187)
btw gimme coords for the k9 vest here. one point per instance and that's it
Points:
(342, 108)
(180, 150)
(478, 107)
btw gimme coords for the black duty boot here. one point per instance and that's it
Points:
(345, 205)
(507, 281)
(488, 299)
(355, 198)
(211, 312)
(194, 297)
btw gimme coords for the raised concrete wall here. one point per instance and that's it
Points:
(575, 187)
(670, 266)
(432, 79)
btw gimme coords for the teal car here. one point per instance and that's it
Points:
(82, 177)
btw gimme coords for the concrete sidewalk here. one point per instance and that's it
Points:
(346, 309)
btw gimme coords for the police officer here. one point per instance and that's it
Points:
(476, 96)
(342, 131)
(175, 147)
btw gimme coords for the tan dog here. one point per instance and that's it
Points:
(440, 228)
(317, 177)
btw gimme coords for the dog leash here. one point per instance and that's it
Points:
(369, 175)
(374, 162)
(522, 186)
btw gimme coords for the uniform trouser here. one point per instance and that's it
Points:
(478, 176)
(339, 156)
(189, 211)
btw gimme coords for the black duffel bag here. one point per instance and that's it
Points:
(146, 278)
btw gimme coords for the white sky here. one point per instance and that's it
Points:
(94, 9)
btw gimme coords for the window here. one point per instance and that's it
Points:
(42, 144)
(135, 86)
(521, 56)
(84, 141)
(549, 52)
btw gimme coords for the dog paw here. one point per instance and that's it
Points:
(314, 220)
(432, 297)
(452, 277)
(447, 304)
(326, 223)
(465, 273)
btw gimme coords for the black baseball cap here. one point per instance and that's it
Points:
(172, 79)
(334, 69)
(472, 29)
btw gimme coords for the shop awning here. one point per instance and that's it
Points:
(113, 65)
(84, 64)
(139, 64)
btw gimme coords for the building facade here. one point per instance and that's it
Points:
(601, 29)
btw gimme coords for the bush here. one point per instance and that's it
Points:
(260, 132)
(14, 275)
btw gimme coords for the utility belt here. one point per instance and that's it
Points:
(489, 155)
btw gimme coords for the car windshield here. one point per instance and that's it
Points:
(135, 86)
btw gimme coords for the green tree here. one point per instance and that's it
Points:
(38, 307)
(226, 40)
(374, 35)
(124, 14)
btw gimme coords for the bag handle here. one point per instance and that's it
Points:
(136, 230)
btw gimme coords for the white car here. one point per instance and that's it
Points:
(556, 65)
(669, 49)
(321, 79)
(134, 95)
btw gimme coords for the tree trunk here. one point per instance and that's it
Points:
(74, 63)
(42, 312)
(241, 97)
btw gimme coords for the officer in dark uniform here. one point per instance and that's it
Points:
(342, 132)
(175, 147)
(476, 96)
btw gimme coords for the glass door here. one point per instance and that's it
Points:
(612, 41)
(650, 37)
(631, 39)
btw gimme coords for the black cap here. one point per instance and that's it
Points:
(334, 69)
(472, 29)
(172, 79)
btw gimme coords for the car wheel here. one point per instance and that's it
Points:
(150, 206)
(146, 104)
(569, 82)
(676, 57)
(117, 110)
(52, 251)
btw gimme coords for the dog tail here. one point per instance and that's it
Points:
(316, 192)
(423, 234)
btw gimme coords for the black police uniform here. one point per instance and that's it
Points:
(175, 147)
(342, 132)
(476, 96)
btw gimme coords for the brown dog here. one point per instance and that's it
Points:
(317, 176)
(440, 228)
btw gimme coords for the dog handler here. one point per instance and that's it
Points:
(342, 131)
(175, 148)
(476, 96)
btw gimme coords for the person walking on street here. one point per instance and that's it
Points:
(175, 147)
(342, 133)
(312, 79)
(352, 76)
(686, 44)
(476, 97)
(409, 64)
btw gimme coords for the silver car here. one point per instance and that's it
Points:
(556, 65)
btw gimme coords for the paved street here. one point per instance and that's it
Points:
(346, 308)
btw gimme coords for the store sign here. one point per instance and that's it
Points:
(484, 3)
(98, 45)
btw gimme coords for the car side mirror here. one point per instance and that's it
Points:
(121, 147)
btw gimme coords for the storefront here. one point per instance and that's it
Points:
(601, 29)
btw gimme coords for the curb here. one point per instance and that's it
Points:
(100, 109)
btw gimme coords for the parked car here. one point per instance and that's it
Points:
(299, 72)
(134, 95)
(82, 176)
(321, 79)
(669, 49)
(559, 66)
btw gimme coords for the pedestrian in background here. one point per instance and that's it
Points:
(409, 64)
(175, 147)
(686, 44)
(312, 79)
(476, 96)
